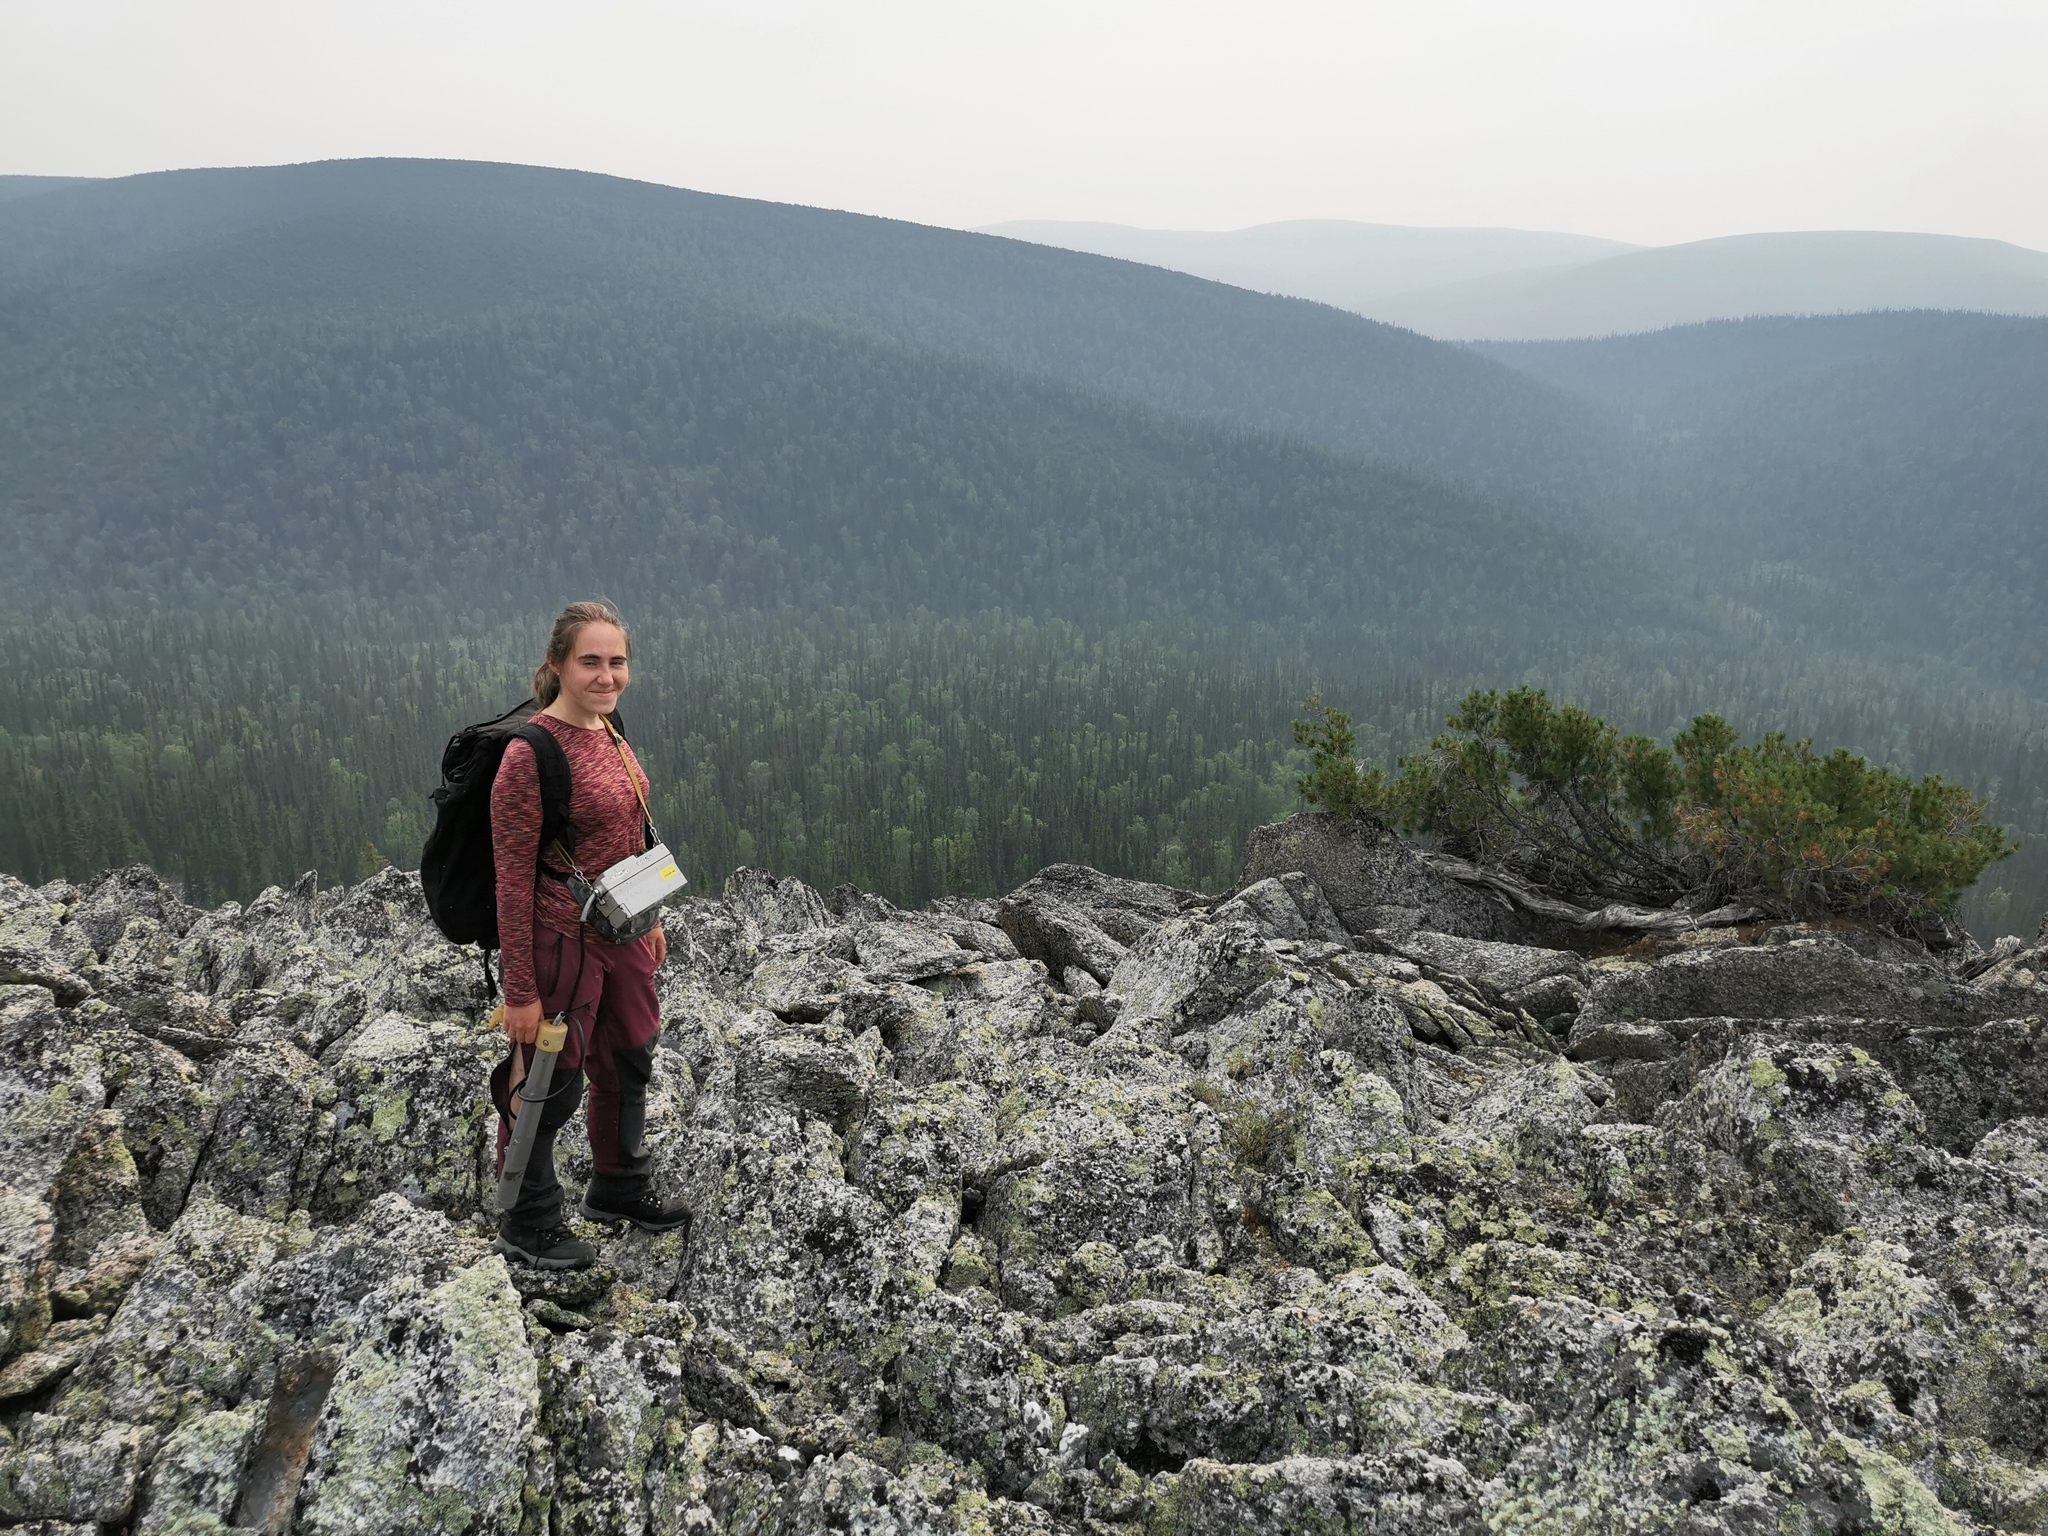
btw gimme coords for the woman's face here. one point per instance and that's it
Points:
(595, 674)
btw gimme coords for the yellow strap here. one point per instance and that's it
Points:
(632, 778)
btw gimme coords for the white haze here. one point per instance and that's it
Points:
(1644, 123)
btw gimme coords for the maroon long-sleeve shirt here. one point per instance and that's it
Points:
(606, 815)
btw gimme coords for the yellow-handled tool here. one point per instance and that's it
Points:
(531, 1097)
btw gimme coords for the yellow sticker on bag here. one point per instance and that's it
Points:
(669, 873)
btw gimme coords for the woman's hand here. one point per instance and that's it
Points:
(657, 944)
(522, 1022)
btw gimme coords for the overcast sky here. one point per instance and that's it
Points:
(1636, 119)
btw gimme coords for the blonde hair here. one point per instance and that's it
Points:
(547, 682)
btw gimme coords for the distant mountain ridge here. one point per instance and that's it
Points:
(1739, 277)
(1518, 285)
(211, 282)
(451, 238)
(1332, 261)
(374, 379)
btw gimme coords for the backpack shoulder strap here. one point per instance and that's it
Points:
(553, 765)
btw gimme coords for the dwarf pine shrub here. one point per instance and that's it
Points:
(1558, 797)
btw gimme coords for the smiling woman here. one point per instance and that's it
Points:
(601, 985)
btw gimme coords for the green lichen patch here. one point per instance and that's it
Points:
(426, 1426)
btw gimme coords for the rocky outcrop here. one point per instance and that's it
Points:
(1971, 1055)
(1079, 920)
(1102, 1207)
(1374, 880)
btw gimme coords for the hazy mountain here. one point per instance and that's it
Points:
(1507, 284)
(379, 380)
(453, 238)
(1880, 479)
(1831, 272)
(282, 361)
(12, 187)
(1330, 260)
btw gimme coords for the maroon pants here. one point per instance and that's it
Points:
(607, 990)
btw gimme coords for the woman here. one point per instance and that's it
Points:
(555, 964)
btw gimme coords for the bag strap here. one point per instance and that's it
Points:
(632, 778)
(556, 786)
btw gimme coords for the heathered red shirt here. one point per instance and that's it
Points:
(606, 815)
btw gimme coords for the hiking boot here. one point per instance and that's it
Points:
(555, 1247)
(646, 1207)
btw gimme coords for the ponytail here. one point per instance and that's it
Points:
(547, 682)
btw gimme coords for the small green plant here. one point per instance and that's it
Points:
(1260, 1134)
(1557, 797)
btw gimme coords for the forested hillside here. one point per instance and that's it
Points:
(1875, 481)
(448, 238)
(948, 556)
(681, 461)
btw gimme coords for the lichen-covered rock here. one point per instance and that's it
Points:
(411, 1113)
(1370, 1496)
(1426, 1231)
(803, 977)
(972, 1383)
(1785, 981)
(1099, 1160)
(167, 1118)
(85, 1473)
(26, 1231)
(272, 1120)
(617, 1417)
(1126, 910)
(968, 1026)
(191, 1334)
(2021, 1145)
(984, 938)
(1289, 906)
(919, 1143)
(1623, 1042)
(1372, 879)
(195, 1476)
(1064, 938)
(1966, 1079)
(307, 966)
(59, 1349)
(1808, 1134)
(426, 1427)
(1187, 974)
(908, 951)
(37, 946)
(105, 910)
(764, 905)
(100, 1231)
(1502, 967)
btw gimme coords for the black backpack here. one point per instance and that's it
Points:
(458, 870)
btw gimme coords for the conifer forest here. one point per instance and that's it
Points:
(946, 557)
